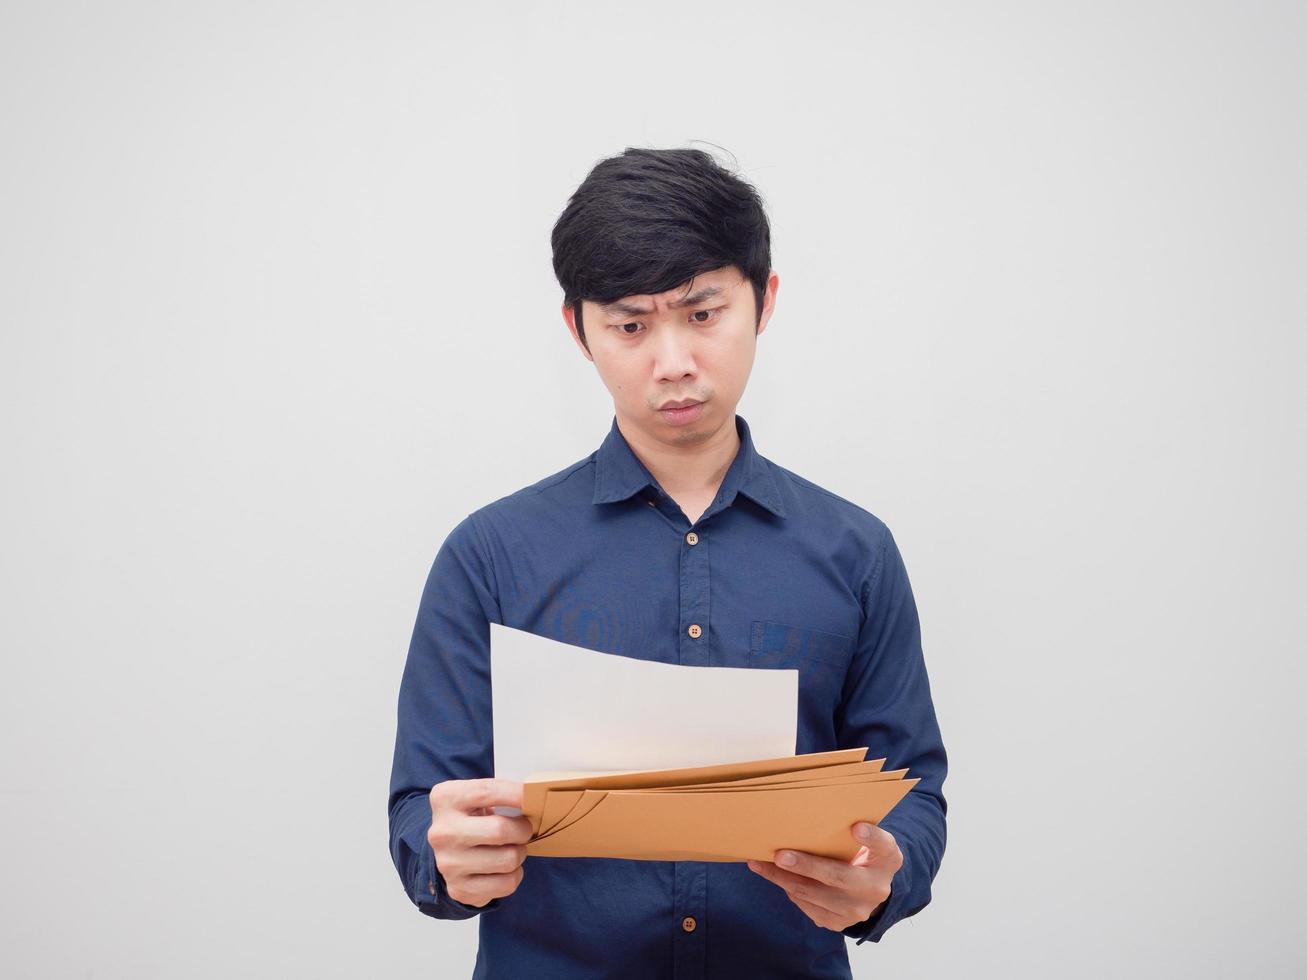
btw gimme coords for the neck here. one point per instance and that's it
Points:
(696, 464)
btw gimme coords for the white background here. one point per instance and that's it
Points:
(277, 311)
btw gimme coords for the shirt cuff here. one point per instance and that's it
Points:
(890, 910)
(432, 898)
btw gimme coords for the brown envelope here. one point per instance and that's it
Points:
(539, 784)
(729, 826)
(583, 801)
(730, 812)
(788, 784)
(792, 779)
(559, 807)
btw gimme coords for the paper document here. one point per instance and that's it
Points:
(556, 706)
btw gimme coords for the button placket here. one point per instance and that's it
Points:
(695, 580)
(690, 906)
(691, 877)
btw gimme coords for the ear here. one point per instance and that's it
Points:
(768, 300)
(569, 317)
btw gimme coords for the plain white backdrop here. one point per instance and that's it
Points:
(277, 311)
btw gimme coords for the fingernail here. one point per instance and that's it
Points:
(785, 858)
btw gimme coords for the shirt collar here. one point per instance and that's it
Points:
(619, 474)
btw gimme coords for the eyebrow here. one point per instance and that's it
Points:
(634, 309)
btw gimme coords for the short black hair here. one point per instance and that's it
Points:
(648, 220)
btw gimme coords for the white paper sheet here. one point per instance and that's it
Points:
(562, 707)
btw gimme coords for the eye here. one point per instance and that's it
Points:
(708, 316)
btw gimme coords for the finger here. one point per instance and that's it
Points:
(808, 889)
(880, 843)
(470, 794)
(823, 917)
(490, 829)
(493, 859)
(489, 859)
(839, 874)
(477, 890)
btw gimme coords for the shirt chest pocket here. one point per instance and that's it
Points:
(822, 660)
(773, 644)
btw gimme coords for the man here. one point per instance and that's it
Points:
(674, 541)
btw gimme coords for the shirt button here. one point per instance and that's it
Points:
(431, 887)
(688, 923)
(692, 538)
(695, 630)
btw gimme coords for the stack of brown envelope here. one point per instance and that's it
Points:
(729, 812)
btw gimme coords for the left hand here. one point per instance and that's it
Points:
(833, 893)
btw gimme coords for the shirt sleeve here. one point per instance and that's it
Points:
(444, 724)
(887, 707)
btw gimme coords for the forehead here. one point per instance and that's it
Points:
(703, 288)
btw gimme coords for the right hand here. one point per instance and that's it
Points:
(479, 852)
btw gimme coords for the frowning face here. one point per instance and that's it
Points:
(692, 345)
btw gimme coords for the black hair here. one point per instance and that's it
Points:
(648, 220)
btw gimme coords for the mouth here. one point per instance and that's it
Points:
(685, 412)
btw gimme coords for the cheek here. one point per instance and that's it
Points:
(617, 372)
(625, 380)
(732, 362)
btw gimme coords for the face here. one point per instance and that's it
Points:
(694, 343)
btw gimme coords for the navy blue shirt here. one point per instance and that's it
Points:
(778, 573)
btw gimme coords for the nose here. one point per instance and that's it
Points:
(673, 355)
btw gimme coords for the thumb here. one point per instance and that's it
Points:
(878, 841)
